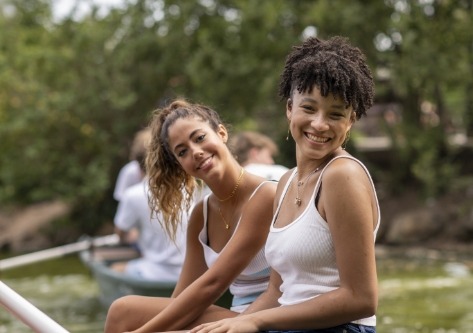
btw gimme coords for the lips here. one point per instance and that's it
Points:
(205, 163)
(317, 139)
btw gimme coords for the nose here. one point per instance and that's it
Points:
(198, 153)
(319, 122)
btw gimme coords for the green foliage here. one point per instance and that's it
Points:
(433, 167)
(74, 92)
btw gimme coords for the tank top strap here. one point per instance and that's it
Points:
(258, 187)
(319, 183)
(205, 201)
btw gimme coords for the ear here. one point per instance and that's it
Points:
(289, 109)
(222, 132)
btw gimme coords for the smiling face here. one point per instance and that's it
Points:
(318, 124)
(196, 146)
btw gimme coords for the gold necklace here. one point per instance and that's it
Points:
(240, 177)
(227, 226)
(298, 200)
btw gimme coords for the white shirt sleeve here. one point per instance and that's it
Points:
(129, 175)
(126, 216)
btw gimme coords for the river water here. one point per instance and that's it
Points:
(422, 291)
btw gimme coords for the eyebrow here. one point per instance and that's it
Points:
(190, 138)
(339, 105)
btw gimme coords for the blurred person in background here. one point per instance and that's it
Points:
(255, 152)
(130, 173)
(161, 258)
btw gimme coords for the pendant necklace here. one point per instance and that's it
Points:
(298, 200)
(240, 178)
(300, 183)
(227, 226)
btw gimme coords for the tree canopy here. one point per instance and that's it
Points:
(74, 91)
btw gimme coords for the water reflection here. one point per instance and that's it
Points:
(425, 291)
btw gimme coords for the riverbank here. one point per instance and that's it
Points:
(407, 221)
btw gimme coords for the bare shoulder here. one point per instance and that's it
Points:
(343, 170)
(285, 177)
(345, 178)
(263, 194)
(259, 207)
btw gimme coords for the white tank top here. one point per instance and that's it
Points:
(303, 253)
(253, 280)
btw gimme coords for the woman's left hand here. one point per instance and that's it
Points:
(240, 324)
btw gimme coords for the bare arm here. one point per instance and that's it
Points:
(194, 264)
(195, 295)
(348, 208)
(268, 299)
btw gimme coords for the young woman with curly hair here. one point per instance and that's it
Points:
(321, 241)
(226, 232)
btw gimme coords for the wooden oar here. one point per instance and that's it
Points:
(58, 251)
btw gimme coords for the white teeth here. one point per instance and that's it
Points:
(204, 163)
(317, 138)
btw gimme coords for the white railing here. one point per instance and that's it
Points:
(59, 251)
(24, 310)
(27, 312)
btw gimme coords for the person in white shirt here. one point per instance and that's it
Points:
(161, 258)
(130, 173)
(255, 152)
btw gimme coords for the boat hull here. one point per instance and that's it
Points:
(113, 284)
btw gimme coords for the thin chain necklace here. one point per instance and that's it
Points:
(240, 178)
(300, 183)
(227, 225)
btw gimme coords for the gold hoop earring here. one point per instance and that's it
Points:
(347, 138)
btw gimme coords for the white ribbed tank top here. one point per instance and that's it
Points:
(302, 252)
(253, 280)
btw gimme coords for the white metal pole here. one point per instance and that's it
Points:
(57, 251)
(27, 312)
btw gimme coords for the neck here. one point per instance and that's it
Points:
(306, 165)
(227, 188)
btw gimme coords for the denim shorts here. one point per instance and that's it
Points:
(345, 328)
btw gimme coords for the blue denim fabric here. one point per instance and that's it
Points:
(346, 328)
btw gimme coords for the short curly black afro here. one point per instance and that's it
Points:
(335, 67)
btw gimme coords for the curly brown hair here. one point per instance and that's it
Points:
(171, 188)
(335, 67)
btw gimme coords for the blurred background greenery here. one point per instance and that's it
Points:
(75, 89)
